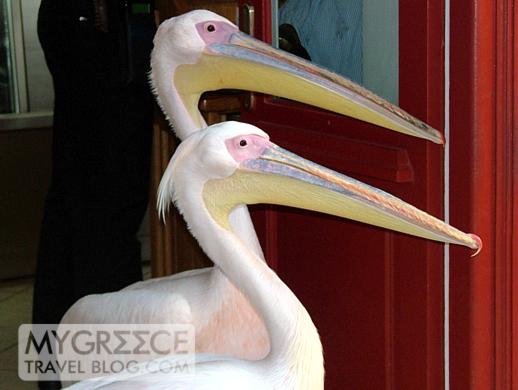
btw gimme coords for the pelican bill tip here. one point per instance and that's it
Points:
(479, 244)
(442, 140)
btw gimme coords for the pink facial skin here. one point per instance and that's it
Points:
(247, 147)
(215, 31)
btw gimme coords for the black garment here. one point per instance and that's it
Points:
(101, 154)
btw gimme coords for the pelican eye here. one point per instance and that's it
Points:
(211, 28)
(243, 143)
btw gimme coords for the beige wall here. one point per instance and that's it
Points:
(24, 178)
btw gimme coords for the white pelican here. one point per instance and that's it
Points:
(215, 170)
(202, 51)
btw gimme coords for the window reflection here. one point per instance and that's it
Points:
(355, 38)
(6, 65)
(25, 82)
(329, 30)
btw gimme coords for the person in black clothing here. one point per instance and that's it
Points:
(98, 54)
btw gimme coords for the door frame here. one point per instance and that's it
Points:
(484, 192)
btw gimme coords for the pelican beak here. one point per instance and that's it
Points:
(280, 177)
(242, 62)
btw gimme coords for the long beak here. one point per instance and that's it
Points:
(281, 177)
(249, 64)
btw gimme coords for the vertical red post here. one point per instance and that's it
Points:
(484, 176)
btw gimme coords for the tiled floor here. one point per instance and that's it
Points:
(15, 309)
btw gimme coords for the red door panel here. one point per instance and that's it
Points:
(375, 296)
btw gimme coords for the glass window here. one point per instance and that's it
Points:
(7, 73)
(40, 93)
(25, 82)
(356, 38)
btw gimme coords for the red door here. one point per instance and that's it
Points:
(375, 296)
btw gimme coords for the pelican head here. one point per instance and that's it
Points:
(233, 163)
(201, 51)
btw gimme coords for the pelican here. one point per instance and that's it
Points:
(201, 51)
(229, 164)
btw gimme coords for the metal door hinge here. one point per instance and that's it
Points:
(248, 19)
(248, 26)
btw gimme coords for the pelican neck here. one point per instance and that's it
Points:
(294, 341)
